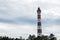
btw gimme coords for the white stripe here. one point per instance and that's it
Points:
(38, 14)
(39, 34)
(39, 28)
(39, 20)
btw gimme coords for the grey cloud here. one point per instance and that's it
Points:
(18, 21)
(48, 22)
(16, 9)
(6, 20)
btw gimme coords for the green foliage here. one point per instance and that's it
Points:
(31, 37)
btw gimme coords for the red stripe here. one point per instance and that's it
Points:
(39, 16)
(39, 23)
(39, 31)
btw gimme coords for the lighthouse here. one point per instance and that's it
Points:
(39, 29)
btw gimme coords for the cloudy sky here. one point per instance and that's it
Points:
(19, 17)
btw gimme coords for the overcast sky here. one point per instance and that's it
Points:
(19, 17)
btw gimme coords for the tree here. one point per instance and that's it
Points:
(52, 37)
(31, 37)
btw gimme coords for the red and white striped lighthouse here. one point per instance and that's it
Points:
(39, 29)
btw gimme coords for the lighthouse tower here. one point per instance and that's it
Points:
(39, 29)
